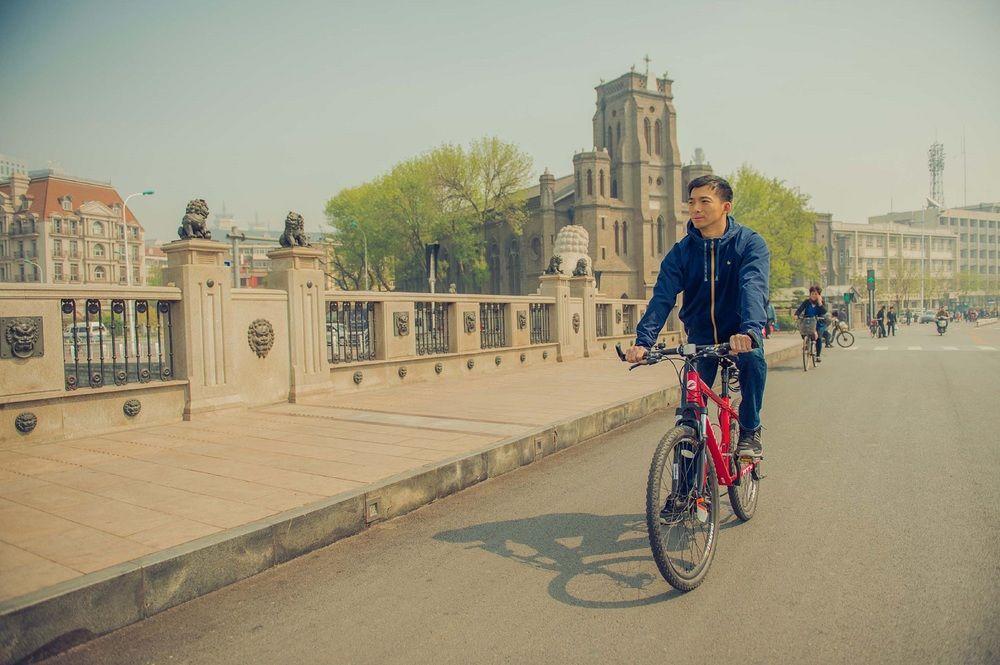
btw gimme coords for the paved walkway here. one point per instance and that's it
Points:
(79, 506)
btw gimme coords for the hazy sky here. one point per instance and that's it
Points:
(276, 106)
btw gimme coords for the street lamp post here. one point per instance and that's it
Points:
(129, 313)
(364, 237)
(41, 273)
(128, 256)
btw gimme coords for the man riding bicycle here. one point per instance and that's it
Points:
(723, 270)
(813, 306)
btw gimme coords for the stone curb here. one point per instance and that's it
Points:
(45, 622)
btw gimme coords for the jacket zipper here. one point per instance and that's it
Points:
(715, 331)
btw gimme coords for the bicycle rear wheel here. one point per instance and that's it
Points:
(682, 509)
(845, 339)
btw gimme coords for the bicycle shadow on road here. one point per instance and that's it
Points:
(600, 561)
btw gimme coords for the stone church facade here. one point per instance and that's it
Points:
(629, 193)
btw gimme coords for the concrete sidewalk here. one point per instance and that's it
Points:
(98, 532)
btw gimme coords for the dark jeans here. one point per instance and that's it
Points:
(753, 375)
(892, 328)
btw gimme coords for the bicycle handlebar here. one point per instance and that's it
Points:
(660, 351)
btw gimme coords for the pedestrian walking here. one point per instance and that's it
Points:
(880, 319)
(892, 320)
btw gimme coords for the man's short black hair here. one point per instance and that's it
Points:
(718, 185)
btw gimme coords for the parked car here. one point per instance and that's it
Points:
(927, 317)
(80, 329)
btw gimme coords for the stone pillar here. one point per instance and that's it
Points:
(396, 329)
(297, 271)
(462, 338)
(585, 287)
(557, 286)
(518, 324)
(202, 335)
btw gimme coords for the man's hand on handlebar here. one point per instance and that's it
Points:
(740, 344)
(636, 354)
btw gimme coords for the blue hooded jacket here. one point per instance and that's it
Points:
(725, 285)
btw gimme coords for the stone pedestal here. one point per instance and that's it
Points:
(585, 288)
(557, 286)
(297, 271)
(464, 321)
(202, 335)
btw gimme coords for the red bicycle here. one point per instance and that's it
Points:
(691, 461)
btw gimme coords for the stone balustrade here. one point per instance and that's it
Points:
(78, 360)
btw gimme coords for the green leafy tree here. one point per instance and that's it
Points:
(781, 215)
(448, 195)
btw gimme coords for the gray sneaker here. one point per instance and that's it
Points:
(750, 445)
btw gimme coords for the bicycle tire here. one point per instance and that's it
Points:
(743, 497)
(845, 339)
(805, 355)
(659, 537)
(812, 352)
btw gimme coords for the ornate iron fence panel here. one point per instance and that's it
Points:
(539, 315)
(492, 331)
(603, 320)
(350, 331)
(116, 342)
(629, 319)
(431, 327)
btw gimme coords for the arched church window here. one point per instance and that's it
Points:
(600, 180)
(659, 235)
(578, 182)
(590, 182)
(536, 248)
(614, 188)
(609, 143)
(625, 238)
(645, 134)
(659, 130)
(617, 241)
(618, 131)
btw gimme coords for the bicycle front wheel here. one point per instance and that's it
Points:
(845, 339)
(682, 508)
(805, 354)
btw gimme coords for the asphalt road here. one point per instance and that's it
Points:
(877, 539)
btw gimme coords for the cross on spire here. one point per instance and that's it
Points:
(647, 60)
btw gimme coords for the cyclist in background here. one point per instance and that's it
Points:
(813, 306)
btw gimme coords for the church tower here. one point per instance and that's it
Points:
(636, 123)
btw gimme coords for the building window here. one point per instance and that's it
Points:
(618, 134)
(98, 229)
(74, 249)
(590, 182)
(57, 248)
(625, 238)
(660, 235)
(67, 204)
(58, 271)
(600, 180)
(658, 129)
(614, 188)
(99, 273)
(609, 143)
(99, 250)
(645, 134)
(604, 253)
(602, 223)
(617, 240)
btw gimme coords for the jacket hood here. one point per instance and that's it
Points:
(730, 231)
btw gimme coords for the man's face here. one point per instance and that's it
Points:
(706, 208)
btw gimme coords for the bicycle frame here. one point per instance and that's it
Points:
(693, 395)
